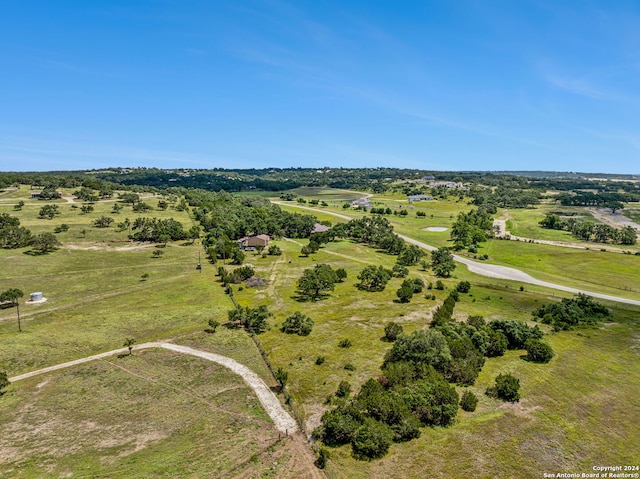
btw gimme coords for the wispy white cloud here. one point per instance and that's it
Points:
(578, 86)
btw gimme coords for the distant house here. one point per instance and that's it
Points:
(253, 241)
(363, 202)
(428, 178)
(319, 228)
(414, 198)
(36, 194)
(447, 184)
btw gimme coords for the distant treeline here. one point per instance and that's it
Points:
(486, 188)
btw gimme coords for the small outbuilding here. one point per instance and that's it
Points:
(253, 241)
(35, 298)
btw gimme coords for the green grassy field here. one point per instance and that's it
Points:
(592, 270)
(564, 403)
(153, 414)
(109, 418)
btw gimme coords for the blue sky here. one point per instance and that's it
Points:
(444, 85)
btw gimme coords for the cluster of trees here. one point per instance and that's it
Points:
(588, 231)
(414, 388)
(49, 193)
(103, 222)
(12, 235)
(254, 320)
(442, 262)
(316, 283)
(472, 228)
(408, 288)
(510, 194)
(374, 231)
(158, 230)
(374, 278)
(89, 194)
(571, 312)
(235, 276)
(613, 200)
(297, 323)
(223, 248)
(49, 212)
(391, 409)
(380, 210)
(222, 214)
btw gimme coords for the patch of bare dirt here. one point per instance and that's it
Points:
(102, 246)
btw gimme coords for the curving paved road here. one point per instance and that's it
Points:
(491, 270)
(281, 418)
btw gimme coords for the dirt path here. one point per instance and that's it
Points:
(281, 418)
(495, 271)
(615, 220)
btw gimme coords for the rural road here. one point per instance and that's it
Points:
(491, 270)
(281, 418)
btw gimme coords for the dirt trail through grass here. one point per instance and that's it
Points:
(492, 270)
(281, 418)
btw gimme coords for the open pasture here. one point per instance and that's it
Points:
(52, 426)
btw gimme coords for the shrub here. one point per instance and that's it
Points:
(392, 331)
(345, 343)
(469, 401)
(4, 381)
(281, 376)
(428, 348)
(274, 250)
(297, 323)
(405, 293)
(439, 285)
(323, 456)
(507, 388)
(320, 360)
(516, 332)
(338, 427)
(418, 285)
(344, 389)
(463, 286)
(435, 402)
(341, 273)
(243, 272)
(372, 439)
(349, 367)
(538, 351)
(497, 345)
(400, 271)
